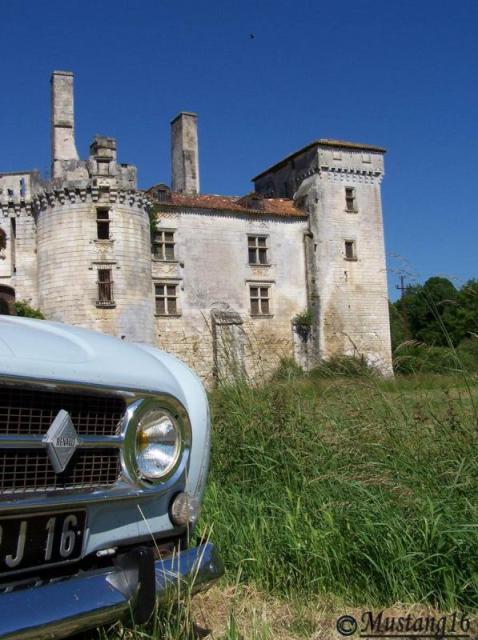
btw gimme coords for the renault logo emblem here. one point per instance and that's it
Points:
(61, 441)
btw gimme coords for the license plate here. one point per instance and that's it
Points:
(40, 540)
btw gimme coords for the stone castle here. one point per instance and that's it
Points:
(231, 285)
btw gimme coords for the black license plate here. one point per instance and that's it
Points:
(40, 540)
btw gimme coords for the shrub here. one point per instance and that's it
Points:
(287, 370)
(345, 366)
(302, 324)
(468, 354)
(415, 357)
(26, 311)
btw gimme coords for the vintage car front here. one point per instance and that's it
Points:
(104, 451)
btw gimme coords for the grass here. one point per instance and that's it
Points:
(350, 491)
(347, 488)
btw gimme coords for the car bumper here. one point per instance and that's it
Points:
(58, 609)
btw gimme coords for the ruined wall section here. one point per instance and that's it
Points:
(213, 276)
(18, 265)
(348, 295)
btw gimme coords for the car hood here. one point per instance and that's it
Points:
(38, 349)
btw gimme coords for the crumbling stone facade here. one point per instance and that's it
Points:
(218, 281)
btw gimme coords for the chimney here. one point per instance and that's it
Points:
(184, 153)
(103, 149)
(62, 121)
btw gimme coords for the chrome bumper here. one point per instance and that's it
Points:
(58, 609)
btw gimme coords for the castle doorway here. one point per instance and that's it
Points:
(228, 346)
(7, 301)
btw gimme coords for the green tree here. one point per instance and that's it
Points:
(427, 313)
(466, 312)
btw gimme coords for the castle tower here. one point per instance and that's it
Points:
(338, 185)
(93, 237)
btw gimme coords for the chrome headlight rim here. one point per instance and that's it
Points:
(166, 405)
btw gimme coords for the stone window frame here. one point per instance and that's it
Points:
(350, 250)
(256, 291)
(351, 199)
(104, 285)
(253, 245)
(170, 309)
(163, 244)
(103, 222)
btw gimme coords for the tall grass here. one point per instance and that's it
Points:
(363, 489)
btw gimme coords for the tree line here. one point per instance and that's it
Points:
(437, 320)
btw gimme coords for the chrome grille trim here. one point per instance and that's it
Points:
(33, 442)
(26, 414)
(26, 411)
(29, 471)
(127, 486)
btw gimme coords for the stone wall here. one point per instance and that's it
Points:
(349, 296)
(69, 256)
(213, 278)
(18, 261)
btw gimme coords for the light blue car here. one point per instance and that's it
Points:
(104, 452)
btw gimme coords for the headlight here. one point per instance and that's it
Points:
(158, 444)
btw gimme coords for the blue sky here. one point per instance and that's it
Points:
(396, 73)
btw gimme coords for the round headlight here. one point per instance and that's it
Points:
(158, 444)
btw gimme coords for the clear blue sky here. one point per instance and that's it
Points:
(396, 73)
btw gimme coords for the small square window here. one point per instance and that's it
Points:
(164, 245)
(350, 200)
(103, 224)
(166, 298)
(350, 250)
(258, 250)
(105, 287)
(260, 300)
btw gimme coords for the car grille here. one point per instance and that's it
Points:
(30, 412)
(30, 471)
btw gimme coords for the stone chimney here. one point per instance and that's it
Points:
(184, 153)
(103, 149)
(62, 121)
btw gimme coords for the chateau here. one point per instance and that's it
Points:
(231, 285)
